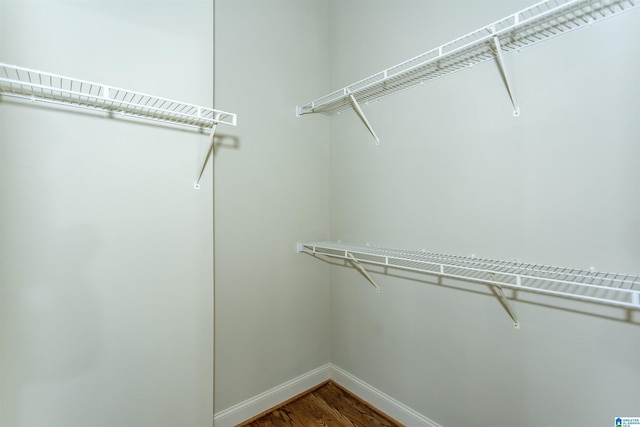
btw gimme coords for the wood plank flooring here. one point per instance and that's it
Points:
(327, 405)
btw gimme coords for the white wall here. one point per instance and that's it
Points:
(107, 250)
(272, 308)
(106, 253)
(456, 173)
(106, 297)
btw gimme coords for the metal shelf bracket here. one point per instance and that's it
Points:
(361, 269)
(360, 114)
(300, 248)
(210, 151)
(503, 70)
(505, 302)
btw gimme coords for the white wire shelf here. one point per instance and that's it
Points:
(613, 289)
(36, 85)
(527, 27)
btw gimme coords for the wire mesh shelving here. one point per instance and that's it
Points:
(41, 86)
(540, 22)
(613, 289)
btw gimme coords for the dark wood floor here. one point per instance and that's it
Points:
(327, 405)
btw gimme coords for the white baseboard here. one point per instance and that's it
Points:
(256, 405)
(380, 400)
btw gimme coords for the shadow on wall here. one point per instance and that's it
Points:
(225, 141)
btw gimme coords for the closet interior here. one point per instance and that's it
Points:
(478, 264)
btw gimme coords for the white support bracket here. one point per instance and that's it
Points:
(496, 42)
(361, 269)
(210, 151)
(360, 114)
(505, 303)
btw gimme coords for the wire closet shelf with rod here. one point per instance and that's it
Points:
(542, 21)
(612, 289)
(39, 86)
